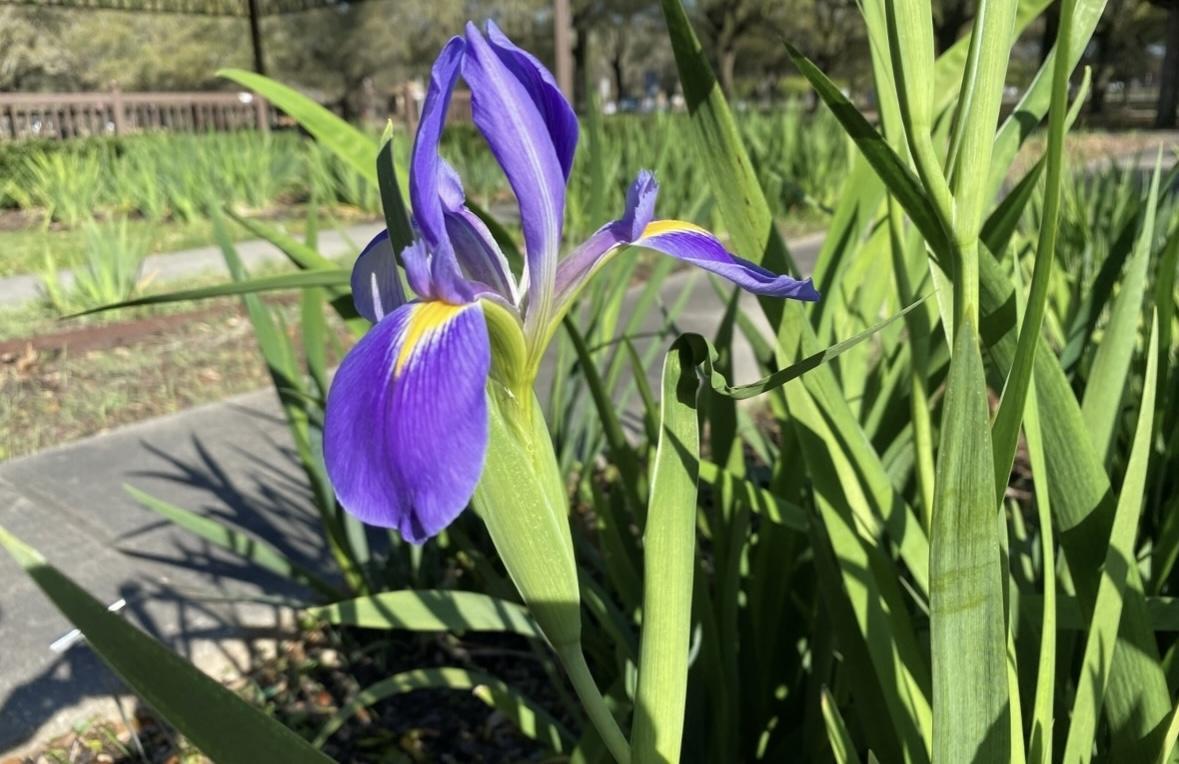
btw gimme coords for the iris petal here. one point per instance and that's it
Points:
(540, 83)
(697, 246)
(406, 426)
(679, 239)
(575, 269)
(474, 246)
(507, 115)
(426, 165)
(376, 285)
(426, 175)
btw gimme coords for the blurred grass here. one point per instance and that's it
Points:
(164, 184)
(23, 250)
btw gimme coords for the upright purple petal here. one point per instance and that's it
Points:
(426, 164)
(425, 177)
(504, 111)
(539, 82)
(405, 431)
(582, 262)
(640, 204)
(376, 285)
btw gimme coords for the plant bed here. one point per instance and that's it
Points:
(314, 676)
(76, 382)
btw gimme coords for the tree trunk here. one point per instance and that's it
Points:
(1097, 97)
(945, 30)
(581, 74)
(1101, 70)
(1051, 26)
(1169, 83)
(728, 67)
(619, 74)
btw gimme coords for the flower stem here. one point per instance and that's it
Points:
(593, 702)
(966, 280)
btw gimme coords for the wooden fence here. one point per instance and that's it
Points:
(73, 115)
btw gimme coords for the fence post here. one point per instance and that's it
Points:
(262, 113)
(411, 107)
(119, 113)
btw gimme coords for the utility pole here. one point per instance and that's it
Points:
(256, 37)
(261, 108)
(562, 47)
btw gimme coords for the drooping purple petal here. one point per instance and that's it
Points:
(376, 285)
(694, 245)
(546, 94)
(406, 425)
(505, 112)
(475, 248)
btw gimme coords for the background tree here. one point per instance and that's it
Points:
(32, 56)
(1168, 104)
(727, 25)
(1121, 50)
(148, 51)
(950, 18)
(348, 52)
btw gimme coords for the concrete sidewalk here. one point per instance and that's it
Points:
(230, 460)
(173, 266)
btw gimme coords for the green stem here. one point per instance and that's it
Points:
(933, 178)
(966, 283)
(593, 702)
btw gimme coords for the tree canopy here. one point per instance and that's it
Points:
(348, 52)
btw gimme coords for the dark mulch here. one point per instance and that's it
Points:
(313, 677)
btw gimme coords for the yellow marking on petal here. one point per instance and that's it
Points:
(426, 319)
(657, 227)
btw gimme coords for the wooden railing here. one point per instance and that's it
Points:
(73, 115)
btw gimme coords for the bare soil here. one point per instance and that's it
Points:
(79, 382)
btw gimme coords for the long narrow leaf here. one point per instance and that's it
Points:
(889, 168)
(669, 560)
(218, 722)
(1103, 393)
(1119, 558)
(301, 280)
(842, 747)
(1005, 431)
(532, 720)
(251, 548)
(970, 697)
(415, 610)
(344, 140)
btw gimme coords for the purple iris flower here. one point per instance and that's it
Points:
(406, 425)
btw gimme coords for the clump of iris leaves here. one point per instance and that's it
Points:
(953, 542)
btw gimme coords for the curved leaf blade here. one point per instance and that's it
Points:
(668, 566)
(344, 140)
(221, 724)
(532, 720)
(436, 610)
